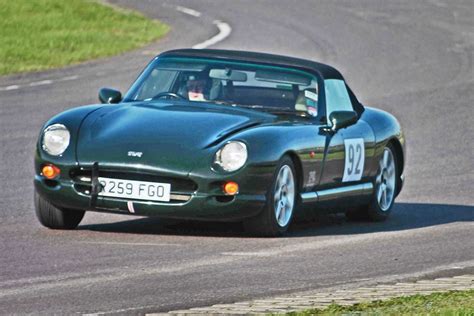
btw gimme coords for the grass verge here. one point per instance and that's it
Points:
(42, 34)
(459, 303)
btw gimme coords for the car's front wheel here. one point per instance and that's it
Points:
(276, 217)
(385, 189)
(56, 218)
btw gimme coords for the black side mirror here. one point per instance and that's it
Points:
(107, 95)
(341, 119)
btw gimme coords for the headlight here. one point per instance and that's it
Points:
(55, 139)
(232, 156)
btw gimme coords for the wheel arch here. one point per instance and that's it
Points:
(298, 167)
(400, 159)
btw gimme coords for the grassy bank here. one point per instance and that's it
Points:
(42, 34)
(459, 303)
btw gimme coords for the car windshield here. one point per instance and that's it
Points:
(261, 87)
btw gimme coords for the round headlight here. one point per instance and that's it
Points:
(232, 156)
(56, 139)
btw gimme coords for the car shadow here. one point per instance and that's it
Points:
(404, 216)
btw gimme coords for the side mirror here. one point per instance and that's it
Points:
(341, 119)
(107, 95)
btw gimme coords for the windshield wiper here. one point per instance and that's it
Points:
(223, 103)
(274, 109)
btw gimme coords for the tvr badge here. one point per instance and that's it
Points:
(135, 154)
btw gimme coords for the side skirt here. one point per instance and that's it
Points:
(336, 193)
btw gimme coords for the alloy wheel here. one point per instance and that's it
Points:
(385, 181)
(284, 198)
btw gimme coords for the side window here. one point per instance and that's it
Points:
(337, 97)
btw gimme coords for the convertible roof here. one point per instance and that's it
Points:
(325, 71)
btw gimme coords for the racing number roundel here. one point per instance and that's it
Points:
(355, 158)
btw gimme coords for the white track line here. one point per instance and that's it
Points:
(224, 32)
(40, 83)
(8, 88)
(69, 78)
(127, 243)
(188, 11)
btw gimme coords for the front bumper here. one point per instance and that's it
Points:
(200, 206)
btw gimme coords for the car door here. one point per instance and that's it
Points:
(349, 150)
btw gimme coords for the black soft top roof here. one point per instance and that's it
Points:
(325, 71)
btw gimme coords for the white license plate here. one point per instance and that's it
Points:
(138, 190)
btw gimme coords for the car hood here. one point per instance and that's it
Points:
(167, 136)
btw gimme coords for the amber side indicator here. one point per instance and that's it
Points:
(230, 188)
(50, 171)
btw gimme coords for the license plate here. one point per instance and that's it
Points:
(138, 190)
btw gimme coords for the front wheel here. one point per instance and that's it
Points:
(385, 190)
(55, 218)
(277, 214)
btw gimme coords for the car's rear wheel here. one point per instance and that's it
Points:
(278, 212)
(385, 189)
(56, 218)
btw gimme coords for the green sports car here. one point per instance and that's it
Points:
(221, 135)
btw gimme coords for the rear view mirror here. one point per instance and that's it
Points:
(228, 74)
(107, 95)
(341, 119)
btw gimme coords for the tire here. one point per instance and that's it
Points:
(385, 188)
(52, 217)
(278, 212)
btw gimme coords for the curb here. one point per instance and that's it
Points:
(321, 300)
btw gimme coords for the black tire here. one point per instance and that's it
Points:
(52, 217)
(265, 224)
(376, 211)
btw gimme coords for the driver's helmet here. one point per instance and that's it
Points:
(197, 86)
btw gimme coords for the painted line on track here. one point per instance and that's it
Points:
(12, 87)
(223, 27)
(224, 32)
(128, 243)
(38, 83)
(69, 78)
(60, 283)
(189, 11)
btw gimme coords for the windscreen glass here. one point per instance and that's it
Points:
(269, 88)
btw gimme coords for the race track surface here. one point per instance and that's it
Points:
(414, 59)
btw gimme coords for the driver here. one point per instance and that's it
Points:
(196, 87)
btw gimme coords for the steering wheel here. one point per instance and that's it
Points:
(169, 94)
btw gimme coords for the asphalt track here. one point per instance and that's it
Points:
(414, 59)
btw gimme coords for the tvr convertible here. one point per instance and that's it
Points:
(221, 135)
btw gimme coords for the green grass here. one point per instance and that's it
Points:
(450, 303)
(42, 34)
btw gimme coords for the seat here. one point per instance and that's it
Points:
(307, 101)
